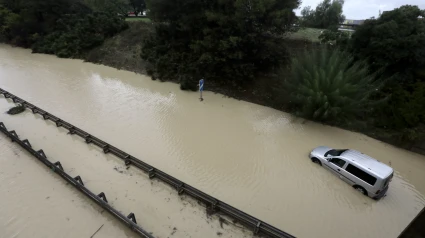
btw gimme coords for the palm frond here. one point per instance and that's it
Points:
(328, 84)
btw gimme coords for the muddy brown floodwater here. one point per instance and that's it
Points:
(250, 156)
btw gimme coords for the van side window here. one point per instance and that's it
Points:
(359, 173)
(337, 162)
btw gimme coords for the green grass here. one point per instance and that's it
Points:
(138, 19)
(310, 34)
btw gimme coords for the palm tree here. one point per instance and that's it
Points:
(329, 85)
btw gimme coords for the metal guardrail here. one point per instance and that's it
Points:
(213, 204)
(77, 182)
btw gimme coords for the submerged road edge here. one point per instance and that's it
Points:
(213, 205)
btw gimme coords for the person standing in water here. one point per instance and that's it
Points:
(201, 88)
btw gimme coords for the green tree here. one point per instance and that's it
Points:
(409, 111)
(35, 18)
(396, 42)
(218, 39)
(77, 34)
(63, 27)
(307, 16)
(307, 12)
(327, 15)
(118, 6)
(329, 86)
(138, 6)
(334, 37)
(12, 5)
(8, 20)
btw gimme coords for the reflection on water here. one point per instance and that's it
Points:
(252, 157)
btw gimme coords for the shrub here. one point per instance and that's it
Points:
(334, 37)
(188, 84)
(9, 22)
(66, 28)
(328, 85)
(406, 108)
(75, 34)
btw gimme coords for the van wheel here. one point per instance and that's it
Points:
(316, 161)
(360, 189)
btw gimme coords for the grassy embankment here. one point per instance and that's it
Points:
(306, 34)
(123, 50)
(143, 19)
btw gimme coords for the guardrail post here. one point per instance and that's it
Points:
(180, 189)
(14, 134)
(58, 123)
(103, 196)
(79, 180)
(257, 228)
(27, 142)
(106, 149)
(59, 165)
(88, 139)
(45, 116)
(214, 205)
(41, 152)
(151, 173)
(213, 208)
(132, 217)
(71, 130)
(16, 100)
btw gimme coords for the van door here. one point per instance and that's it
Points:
(336, 166)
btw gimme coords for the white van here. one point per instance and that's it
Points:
(366, 174)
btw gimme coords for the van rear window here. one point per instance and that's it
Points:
(359, 173)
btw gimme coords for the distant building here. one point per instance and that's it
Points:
(346, 30)
(139, 14)
(351, 24)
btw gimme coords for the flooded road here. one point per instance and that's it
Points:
(252, 157)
